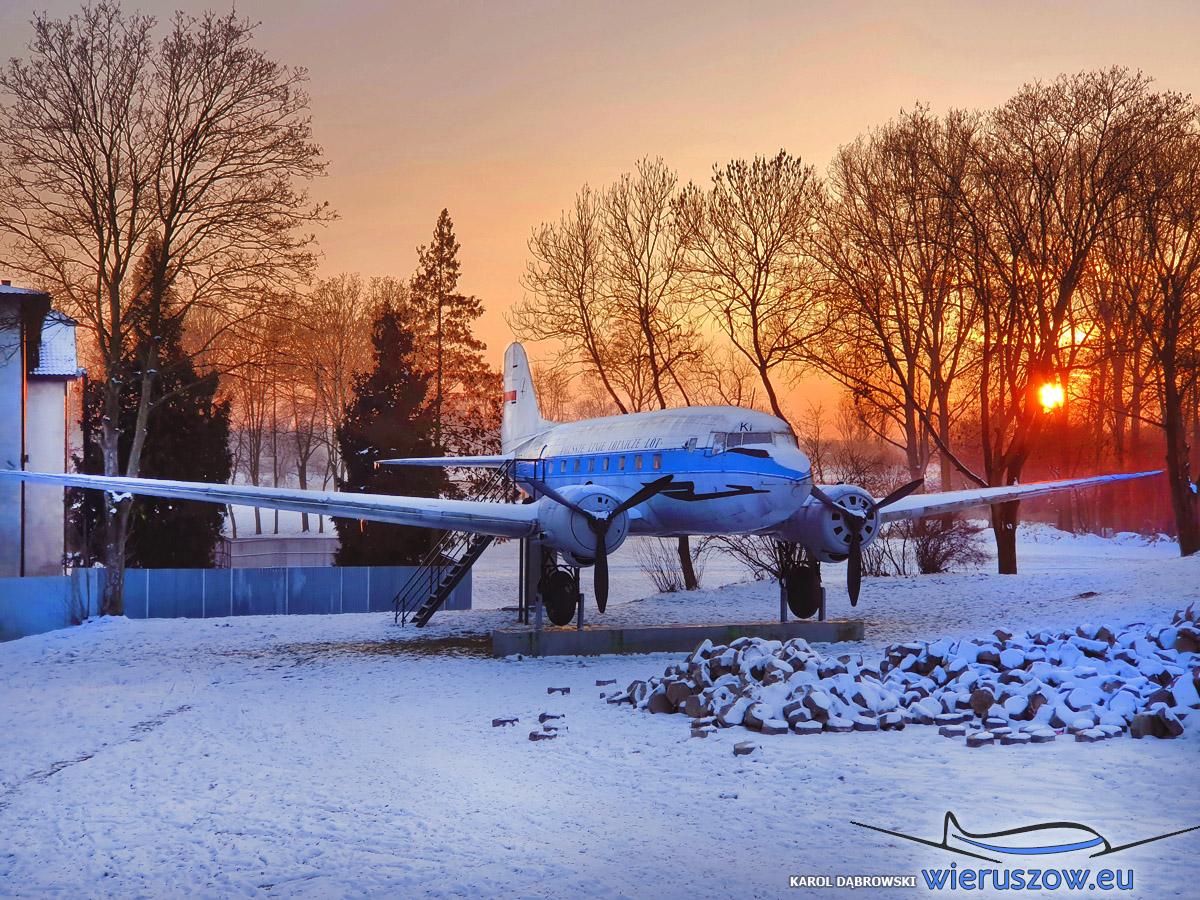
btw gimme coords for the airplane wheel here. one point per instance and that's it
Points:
(802, 586)
(559, 596)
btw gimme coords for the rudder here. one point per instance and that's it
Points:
(521, 419)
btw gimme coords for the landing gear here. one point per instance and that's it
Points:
(560, 594)
(799, 581)
(801, 588)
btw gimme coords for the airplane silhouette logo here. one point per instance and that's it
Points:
(1044, 839)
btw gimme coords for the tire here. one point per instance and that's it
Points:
(559, 597)
(802, 586)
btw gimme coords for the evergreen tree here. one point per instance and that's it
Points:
(387, 418)
(187, 439)
(442, 321)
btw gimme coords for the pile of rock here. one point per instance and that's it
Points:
(1095, 683)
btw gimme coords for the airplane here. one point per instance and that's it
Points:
(590, 484)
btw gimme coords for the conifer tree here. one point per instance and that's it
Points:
(442, 322)
(388, 417)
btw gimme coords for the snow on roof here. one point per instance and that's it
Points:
(7, 290)
(56, 356)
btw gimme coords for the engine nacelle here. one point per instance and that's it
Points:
(823, 530)
(570, 534)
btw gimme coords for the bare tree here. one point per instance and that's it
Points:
(1154, 256)
(748, 242)
(197, 143)
(333, 326)
(564, 276)
(724, 377)
(1046, 171)
(890, 241)
(643, 281)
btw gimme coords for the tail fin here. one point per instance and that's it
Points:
(521, 419)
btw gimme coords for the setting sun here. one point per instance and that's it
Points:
(1051, 396)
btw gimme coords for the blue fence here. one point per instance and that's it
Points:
(33, 605)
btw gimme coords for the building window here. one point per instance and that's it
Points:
(657, 460)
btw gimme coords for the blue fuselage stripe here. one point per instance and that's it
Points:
(1033, 851)
(680, 463)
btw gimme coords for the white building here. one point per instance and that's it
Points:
(40, 383)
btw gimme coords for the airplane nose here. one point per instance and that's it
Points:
(794, 460)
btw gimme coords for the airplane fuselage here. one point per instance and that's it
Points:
(733, 470)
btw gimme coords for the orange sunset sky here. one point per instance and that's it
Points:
(500, 111)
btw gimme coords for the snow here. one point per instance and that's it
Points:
(326, 756)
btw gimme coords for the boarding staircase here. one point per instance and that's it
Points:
(440, 572)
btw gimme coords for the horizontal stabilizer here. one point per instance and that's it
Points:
(450, 462)
(916, 506)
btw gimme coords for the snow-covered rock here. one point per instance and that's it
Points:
(1093, 682)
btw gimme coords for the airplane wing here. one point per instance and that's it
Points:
(498, 519)
(915, 506)
(449, 462)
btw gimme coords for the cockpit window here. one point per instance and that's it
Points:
(743, 438)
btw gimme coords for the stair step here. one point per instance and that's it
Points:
(452, 558)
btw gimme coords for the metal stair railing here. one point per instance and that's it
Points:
(445, 565)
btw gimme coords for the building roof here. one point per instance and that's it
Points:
(56, 354)
(20, 293)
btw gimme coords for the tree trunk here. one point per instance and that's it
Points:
(116, 513)
(690, 582)
(772, 397)
(275, 444)
(113, 554)
(302, 474)
(1004, 527)
(1184, 501)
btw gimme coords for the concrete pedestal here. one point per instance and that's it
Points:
(594, 640)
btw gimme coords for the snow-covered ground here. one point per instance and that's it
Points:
(333, 756)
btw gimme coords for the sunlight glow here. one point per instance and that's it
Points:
(1051, 396)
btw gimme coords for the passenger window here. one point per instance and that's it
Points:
(605, 464)
(591, 464)
(637, 462)
(577, 464)
(620, 463)
(657, 460)
(562, 467)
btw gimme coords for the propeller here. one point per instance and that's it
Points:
(601, 523)
(855, 521)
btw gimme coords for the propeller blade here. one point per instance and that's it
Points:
(899, 493)
(554, 495)
(854, 568)
(646, 492)
(855, 522)
(600, 576)
(825, 498)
